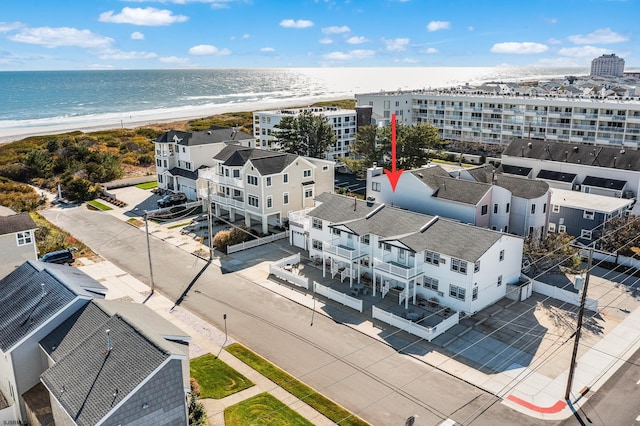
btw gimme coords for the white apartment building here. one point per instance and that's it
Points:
(499, 116)
(263, 186)
(607, 66)
(465, 267)
(180, 154)
(343, 122)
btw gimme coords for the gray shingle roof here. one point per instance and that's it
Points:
(24, 308)
(215, 134)
(557, 176)
(522, 187)
(604, 183)
(391, 223)
(461, 191)
(90, 380)
(16, 223)
(428, 175)
(176, 171)
(266, 162)
(600, 156)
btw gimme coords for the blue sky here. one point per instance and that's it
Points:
(144, 34)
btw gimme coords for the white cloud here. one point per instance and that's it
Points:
(601, 36)
(9, 26)
(352, 54)
(137, 36)
(207, 49)
(554, 41)
(246, 36)
(407, 60)
(116, 54)
(325, 40)
(519, 48)
(396, 44)
(336, 30)
(61, 36)
(583, 51)
(557, 62)
(552, 20)
(267, 49)
(149, 16)
(438, 25)
(173, 60)
(300, 23)
(470, 28)
(356, 40)
(431, 51)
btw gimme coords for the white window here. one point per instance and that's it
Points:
(459, 266)
(375, 186)
(585, 233)
(402, 255)
(499, 280)
(476, 266)
(562, 228)
(316, 244)
(457, 292)
(285, 178)
(364, 239)
(384, 246)
(552, 227)
(252, 180)
(474, 293)
(252, 200)
(24, 238)
(431, 283)
(335, 231)
(555, 208)
(431, 257)
(269, 202)
(159, 178)
(268, 180)
(308, 193)
(507, 209)
(316, 223)
(501, 255)
(285, 198)
(325, 168)
(588, 215)
(236, 173)
(306, 173)
(533, 209)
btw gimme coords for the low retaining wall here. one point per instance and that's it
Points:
(427, 333)
(277, 269)
(257, 242)
(337, 296)
(564, 295)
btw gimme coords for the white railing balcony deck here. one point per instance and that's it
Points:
(227, 201)
(348, 253)
(227, 180)
(402, 271)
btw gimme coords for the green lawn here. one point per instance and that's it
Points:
(98, 205)
(216, 378)
(263, 409)
(295, 387)
(147, 185)
(178, 225)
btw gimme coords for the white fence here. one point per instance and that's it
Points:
(277, 269)
(427, 333)
(631, 262)
(257, 242)
(339, 297)
(564, 295)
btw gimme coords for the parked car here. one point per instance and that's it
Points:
(59, 256)
(172, 199)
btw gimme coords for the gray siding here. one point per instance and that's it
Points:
(165, 397)
(575, 222)
(13, 255)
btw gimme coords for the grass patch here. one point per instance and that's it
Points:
(263, 409)
(98, 205)
(147, 185)
(295, 387)
(216, 378)
(178, 225)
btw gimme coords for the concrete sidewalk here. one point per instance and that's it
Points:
(524, 388)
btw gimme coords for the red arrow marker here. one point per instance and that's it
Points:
(393, 175)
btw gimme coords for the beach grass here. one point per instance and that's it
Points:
(98, 205)
(322, 404)
(147, 185)
(178, 225)
(263, 409)
(216, 379)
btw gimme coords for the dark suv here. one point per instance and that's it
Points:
(59, 256)
(172, 199)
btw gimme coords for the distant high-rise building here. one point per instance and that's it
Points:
(607, 65)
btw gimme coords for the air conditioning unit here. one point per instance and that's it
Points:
(576, 187)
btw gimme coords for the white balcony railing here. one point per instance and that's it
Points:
(405, 272)
(343, 251)
(227, 201)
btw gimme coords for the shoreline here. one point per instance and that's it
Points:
(136, 119)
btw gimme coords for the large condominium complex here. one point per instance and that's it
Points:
(498, 114)
(607, 66)
(343, 122)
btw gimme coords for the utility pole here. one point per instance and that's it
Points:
(583, 301)
(209, 218)
(146, 230)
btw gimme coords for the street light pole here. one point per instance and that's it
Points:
(210, 231)
(583, 301)
(146, 230)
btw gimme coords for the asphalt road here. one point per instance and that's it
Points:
(366, 376)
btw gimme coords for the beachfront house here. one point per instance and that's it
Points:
(17, 241)
(479, 196)
(463, 267)
(180, 154)
(261, 185)
(36, 298)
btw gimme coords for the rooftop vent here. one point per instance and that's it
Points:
(374, 211)
(109, 347)
(530, 145)
(428, 224)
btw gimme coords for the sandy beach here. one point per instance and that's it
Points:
(17, 130)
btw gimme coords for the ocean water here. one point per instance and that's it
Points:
(42, 98)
